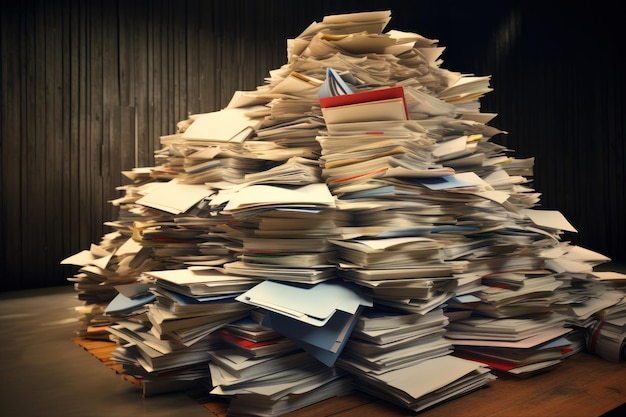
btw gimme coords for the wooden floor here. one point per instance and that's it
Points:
(583, 385)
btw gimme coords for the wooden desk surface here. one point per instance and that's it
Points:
(583, 385)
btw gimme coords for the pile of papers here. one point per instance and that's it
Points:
(350, 224)
(607, 335)
(518, 346)
(162, 366)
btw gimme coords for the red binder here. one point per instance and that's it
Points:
(376, 98)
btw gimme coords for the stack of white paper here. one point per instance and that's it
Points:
(138, 345)
(361, 177)
(427, 383)
(385, 340)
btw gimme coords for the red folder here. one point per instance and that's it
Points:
(365, 97)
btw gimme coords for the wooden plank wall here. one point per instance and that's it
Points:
(88, 86)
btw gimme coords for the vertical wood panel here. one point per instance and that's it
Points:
(78, 99)
(142, 79)
(33, 154)
(112, 96)
(65, 161)
(51, 244)
(156, 69)
(12, 43)
(131, 53)
(94, 118)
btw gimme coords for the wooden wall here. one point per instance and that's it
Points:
(88, 86)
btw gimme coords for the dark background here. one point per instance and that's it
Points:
(89, 86)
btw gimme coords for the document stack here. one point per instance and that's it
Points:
(350, 224)
(606, 336)
(105, 272)
(318, 319)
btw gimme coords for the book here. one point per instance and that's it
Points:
(379, 104)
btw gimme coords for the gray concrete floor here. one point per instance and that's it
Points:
(43, 373)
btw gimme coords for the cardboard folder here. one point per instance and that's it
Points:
(314, 304)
